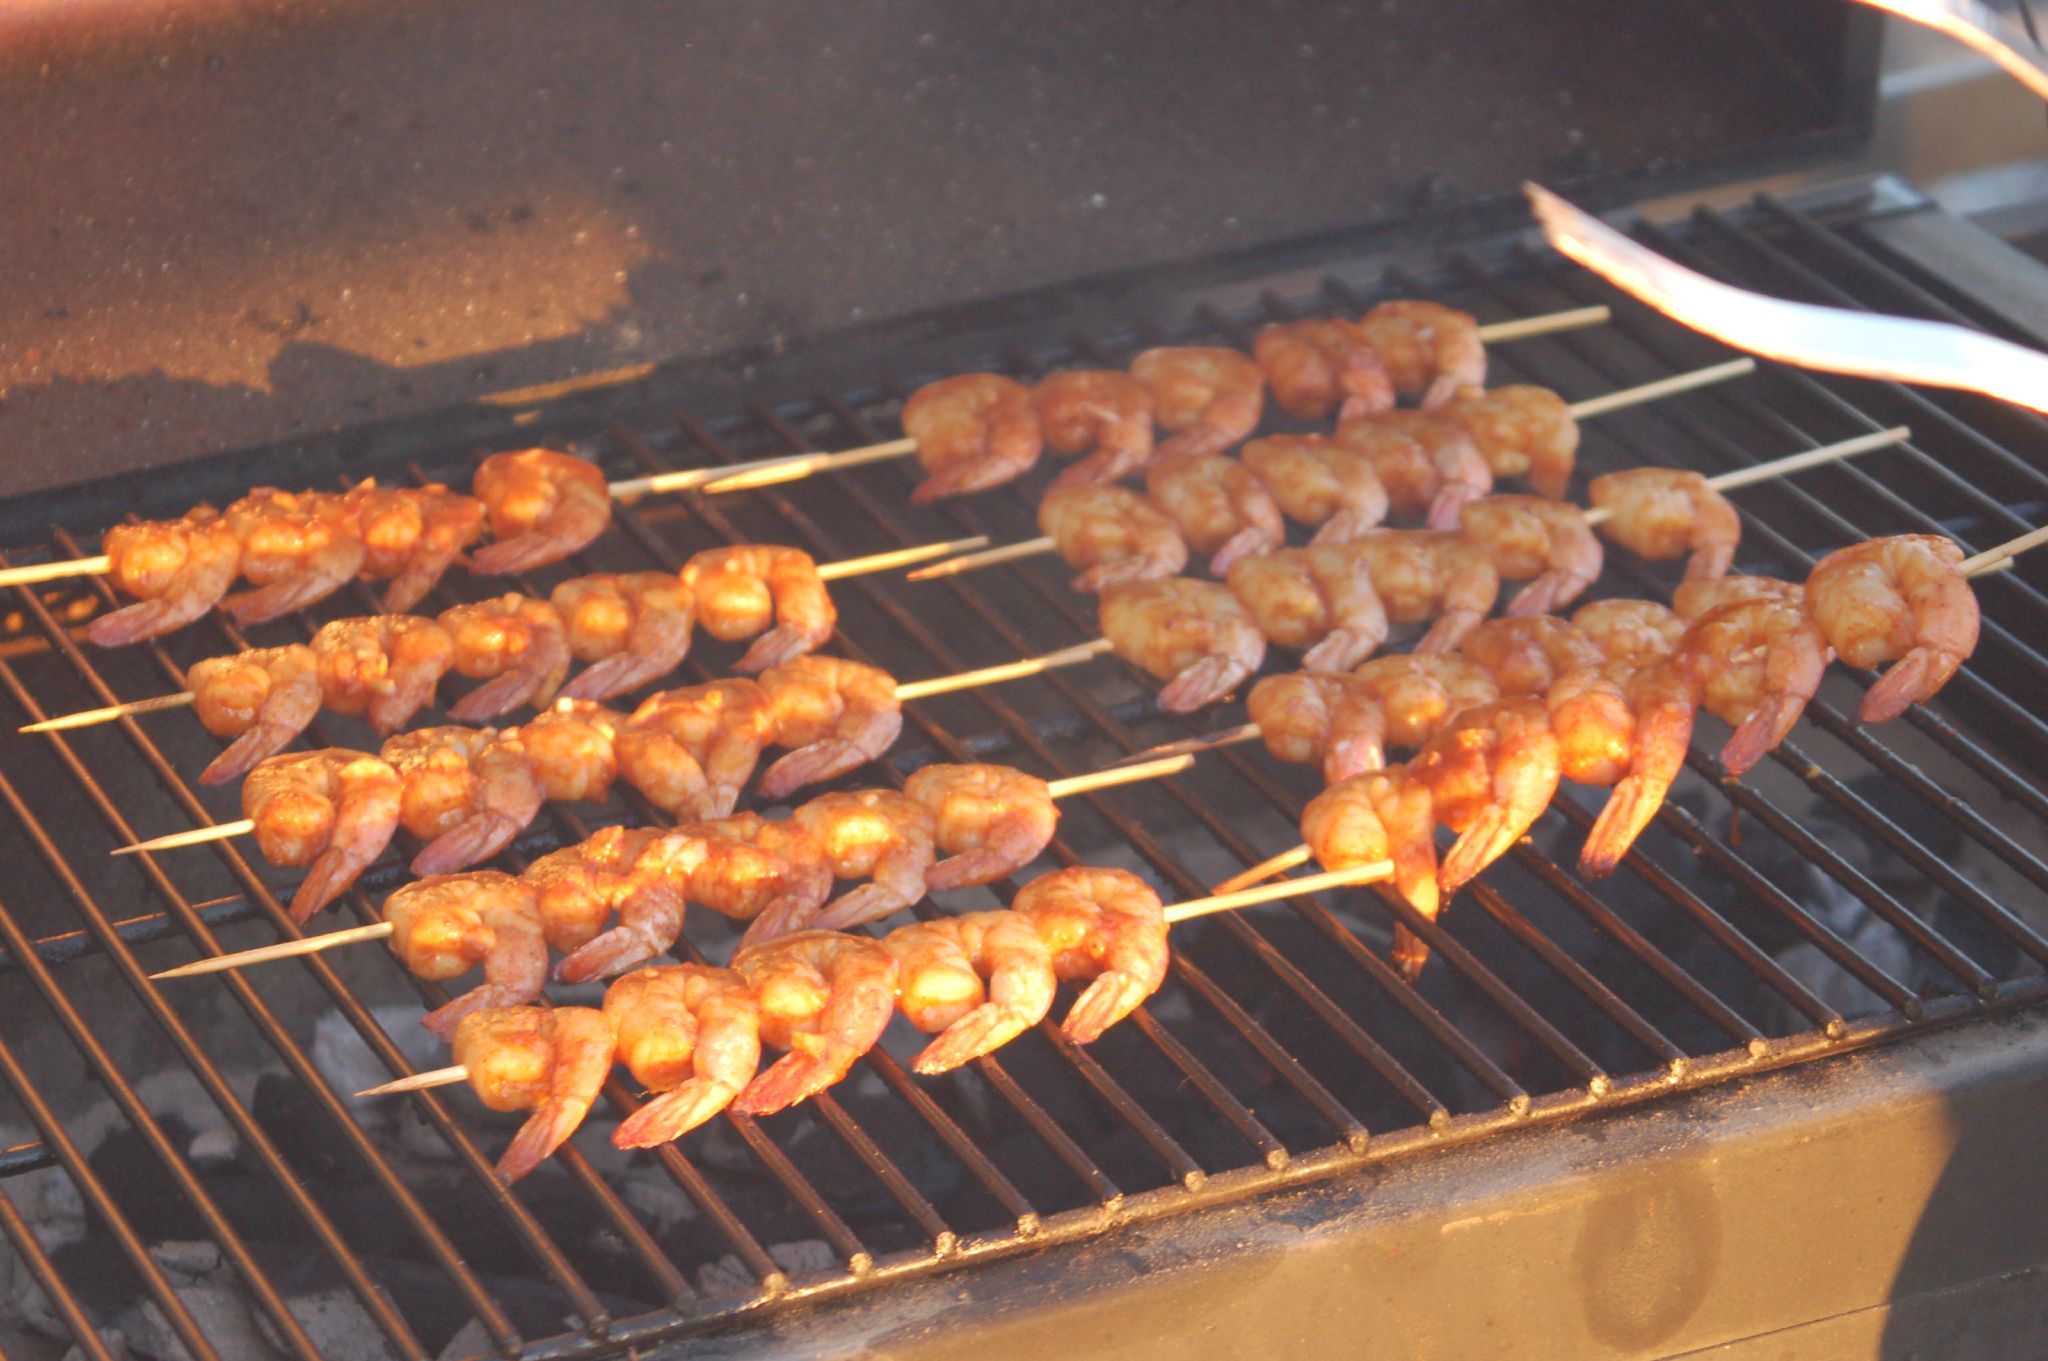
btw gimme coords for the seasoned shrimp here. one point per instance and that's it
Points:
(1521, 431)
(1701, 596)
(1526, 656)
(1756, 664)
(1427, 465)
(572, 749)
(1191, 634)
(413, 535)
(446, 925)
(689, 1032)
(468, 792)
(990, 820)
(176, 569)
(332, 810)
(973, 431)
(740, 589)
(668, 873)
(826, 997)
(1105, 925)
(874, 834)
(579, 889)
(543, 506)
(1111, 534)
(940, 986)
(1661, 702)
(552, 1061)
(263, 698)
(634, 627)
(1100, 413)
(1319, 598)
(384, 666)
(1208, 398)
(1313, 366)
(1429, 351)
(1430, 574)
(1306, 716)
(516, 641)
(1491, 772)
(297, 548)
(1320, 482)
(833, 714)
(1375, 816)
(1631, 633)
(1546, 543)
(1221, 509)
(691, 751)
(775, 906)
(1665, 513)
(1898, 599)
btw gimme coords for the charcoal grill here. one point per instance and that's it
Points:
(1634, 1117)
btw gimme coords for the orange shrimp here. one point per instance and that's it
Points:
(835, 714)
(1665, 513)
(1546, 543)
(1898, 599)
(297, 548)
(383, 665)
(874, 834)
(668, 873)
(518, 642)
(1207, 397)
(1661, 702)
(826, 997)
(572, 749)
(1429, 574)
(1374, 816)
(973, 431)
(412, 536)
(740, 589)
(1521, 431)
(333, 810)
(1428, 351)
(689, 1032)
(1526, 656)
(1313, 366)
(1319, 598)
(1320, 482)
(445, 925)
(1306, 716)
(1191, 634)
(1100, 413)
(543, 506)
(941, 967)
(552, 1061)
(691, 751)
(1427, 465)
(1111, 534)
(177, 569)
(1220, 508)
(468, 792)
(1756, 664)
(990, 820)
(1104, 925)
(1632, 633)
(263, 698)
(633, 627)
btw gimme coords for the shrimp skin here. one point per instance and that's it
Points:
(826, 998)
(1319, 598)
(1526, 656)
(692, 1034)
(180, 568)
(1631, 633)
(691, 751)
(1428, 351)
(1192, 634)
(1546, 543)
(875, 834)
(1220, 508)
(298, 549)
(942, 966)
(1100, 414)
(1208, 397)
(443, 926)
(1425, 574)
(543, 506)
(1103, 925)
(382, 666)
(1319, 481)
(1382, 815)
(834, 714)
(263, 698)
(552, 1061)
(1664, 702)
(632, 627)
(1428, 466)
(991, 820)
(1111, 534)
(518, 643)
(1314, 366)
(740, 589)
(1665, 513)
(1521, 431)
(1756, 664)
(508, 796)
(332, 810)
(1899, 599)
(973, 431)
(1309, 716)
(412, 536)
(1491, 774)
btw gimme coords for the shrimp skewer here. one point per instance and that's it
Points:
(1098, 410)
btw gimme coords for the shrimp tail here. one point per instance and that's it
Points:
(546, 1130)
(673, 1114)
(245, 751)
(982, 1030)
(1112, 996)
(812, 1064)
(969, 869)
(780, 645)
(1248, 542)
(1449, 630)
(1348, 756)
(809, 765)
(963, 478)
(1661, 741)
(1449, 505)
(1104, 575)
(523, 553)
(613, 952)
(472, 841)
(611, 676)
(1911, 679)
(1207, 681)
(1343, 649)
(1346, 525)
(1109, 463)
(420, 576)
(1409, 952)
(496, 696)
(329, 878)
(779, 918)
(443, 1019)
(1761, 732)
(869, 902)
(1486, 840)
(279, 598)
(1545, 595)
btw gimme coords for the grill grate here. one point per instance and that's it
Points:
(1861, 886)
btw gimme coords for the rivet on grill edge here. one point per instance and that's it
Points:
(1758, 1047)
(1987, 990)
(773, 1284)
(1835, 1029)
(1518, 1104)
(1194, 1179)
(1356, 1140)
(1439, 1119)
(861, 1263)
(1912, 1009)
(945, 1243)
(1599, 1085)
(1675, 1069)
(1276, 1159)
(1027, 1224)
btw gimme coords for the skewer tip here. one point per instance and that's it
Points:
(419, 1082)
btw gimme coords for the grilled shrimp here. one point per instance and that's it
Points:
(826, 997)
(516, 641)
(1104, 925)
(1220, 508)
(775, 905)
(1898, 599)
(1317, 598)
(1429, 574)
(1756, 664)
(1320, 482)
(1111, 534)
(990, 820)
(973, 431)
(689, 1032)
(332, 810)
(1665, 513)
(668, 873)
(741, 589)
(1314, 366)
(1701, 596)
(1191, 634)
(1374, 816)
(1100, 413)
(543, 506)
(468, 792)
(1427, 465)
(413, 535)
(579, 889)
(691, 751)
(874, 834)
(1307, 716)
(834, 714)
(552, 1061)
(1632, 633)
(446, 925)
(941, 968)
(1521, 431)
(1526, 656)
(1429, 351)
(572, 748)
(1206, 397)
(633, 627)
(297, 548)
(263, 698)
(1661, 704)
(176, 569)
(1546, 543)
(384, 666)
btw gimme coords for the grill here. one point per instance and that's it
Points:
(1861, 887)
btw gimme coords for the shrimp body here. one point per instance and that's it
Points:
(1207, 397)
(332, 810)
(634, 627)
(1423, 574)
(1545, 543)
(689, 1032)
(1319, 481)
(517, 642)
(1630, 633)
(1429, 351)
(384, 666)
(973, 431)
(543, 506)
(468, 792)
(1428, 465)
(1111, 534)
(1665, 513)
(1701, 596)
(1220, 508)
(691, 751)
(1491, 772)
(572, 749)
(1308, 716)
(1315, 365)
(297, 548)
(1526, 656)
(579, 889)
(774, 906)
(874, 834)
(1521, 431)
(1103, 925)
(1756, 665)
(990, 820)
(667, 874)
(826, 997)
(834, 714)
(1375, 816)
(1898, 599)
(740, 589)
(977, 981)
(1100, 413)
(412, 536)
(445, 925)
(1320, 598)
(262, 698)
(1661, 703)
(552, 1061)
(1193, 635)
(177, 569)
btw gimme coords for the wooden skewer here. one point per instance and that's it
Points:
(2000, 558)
(1179, 912)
